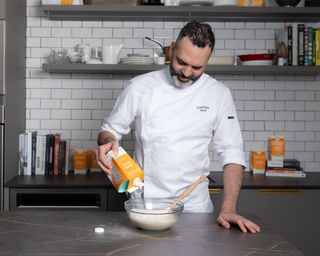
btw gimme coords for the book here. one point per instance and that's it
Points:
(39, 154)
(295, 44)
(67, 158)
(286, 163)
(28, 152)
(62, 158)
(47, 155)
(33, 152)
(317, 47)
(21, 158)
(290, 56)
(56, 154)
(285, 173)
(300, 44)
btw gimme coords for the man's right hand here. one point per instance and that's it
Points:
(107, 142)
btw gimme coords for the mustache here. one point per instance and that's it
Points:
(180, 74)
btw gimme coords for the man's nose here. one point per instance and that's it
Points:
(187, 71)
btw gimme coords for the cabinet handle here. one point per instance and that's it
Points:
(214, 190)
(279, 191)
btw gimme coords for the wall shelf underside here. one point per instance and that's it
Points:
(182, 13)
(210, 69)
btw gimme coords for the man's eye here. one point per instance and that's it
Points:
(181, 62)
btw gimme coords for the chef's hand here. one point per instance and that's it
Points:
(107, 142)
(226, 219)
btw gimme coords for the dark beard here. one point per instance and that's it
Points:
(175, 77)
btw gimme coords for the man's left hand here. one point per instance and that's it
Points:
(226, 219)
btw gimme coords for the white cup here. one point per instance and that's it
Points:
(111, 53)
(161, 60)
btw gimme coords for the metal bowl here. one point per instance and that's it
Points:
(153, 213)
(289, 3)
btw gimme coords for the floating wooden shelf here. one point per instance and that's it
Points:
(182, 13)
(210, 69)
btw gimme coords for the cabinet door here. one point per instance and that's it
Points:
(293, 213)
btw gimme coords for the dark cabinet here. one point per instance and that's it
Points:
(293, 212)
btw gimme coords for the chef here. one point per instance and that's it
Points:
(176, 113)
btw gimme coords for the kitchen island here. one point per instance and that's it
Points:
(72, 233)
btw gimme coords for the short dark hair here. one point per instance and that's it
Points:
(200, 34)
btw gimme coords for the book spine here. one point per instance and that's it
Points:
(39, 150)
(301, 44)
(25, 154)
(62, 160)
(294, 44)
(51, 154)
(317, 53)
(43, 157)
(305, 54)
(46, 170)
(289, 31)
(310, 42)
(56, 155)
(67, 157)
(33, 152)
(29, 153)
(296, 174)
(21, 158)
(274, 163)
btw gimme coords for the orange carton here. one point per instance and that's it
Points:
(93, 163)
(277, 148)
(80, 161)
(126, 174)
(258, 161)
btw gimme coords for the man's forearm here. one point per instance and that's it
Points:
(105, 137)
(233, 174)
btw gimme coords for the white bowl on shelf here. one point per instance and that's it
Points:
(221, 60)
(225, 2)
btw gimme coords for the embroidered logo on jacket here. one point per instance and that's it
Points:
(203, 108)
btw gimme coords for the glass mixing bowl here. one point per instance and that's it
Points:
(153, 213)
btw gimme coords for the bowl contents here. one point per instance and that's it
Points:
(153, 214)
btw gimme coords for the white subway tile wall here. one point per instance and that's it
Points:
(75, 104)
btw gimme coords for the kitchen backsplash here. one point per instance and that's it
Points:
(75, 104)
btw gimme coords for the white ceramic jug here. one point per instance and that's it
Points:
(111, 53)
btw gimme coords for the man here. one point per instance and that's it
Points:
(176, 113)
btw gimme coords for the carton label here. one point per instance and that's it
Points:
(126, 174)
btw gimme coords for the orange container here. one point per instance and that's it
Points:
(258, 161)
(66, 2)
(80, 161)
(251, 3)
(93, 163)
(126, 174)
(277, 147)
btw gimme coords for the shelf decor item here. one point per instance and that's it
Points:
(288, 3)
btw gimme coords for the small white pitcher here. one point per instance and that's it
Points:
(111, 53)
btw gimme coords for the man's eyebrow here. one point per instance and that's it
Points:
(183, 62)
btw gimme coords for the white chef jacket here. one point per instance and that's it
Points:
(173, 129)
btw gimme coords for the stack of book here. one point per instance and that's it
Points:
(284, 168)
(43, 154)
(299, 44)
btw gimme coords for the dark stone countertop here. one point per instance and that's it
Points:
(312, 181)
(72, 233)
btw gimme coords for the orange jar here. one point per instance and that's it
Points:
(251, 3)
(277, 147)
(258, 161)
